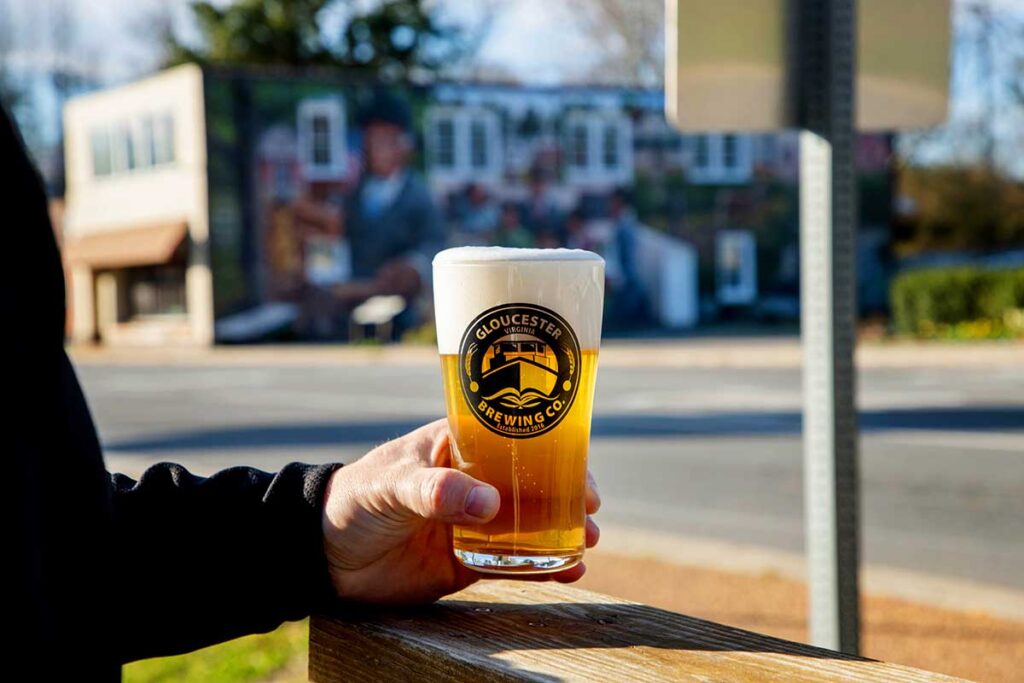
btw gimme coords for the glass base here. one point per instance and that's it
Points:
(517, 564)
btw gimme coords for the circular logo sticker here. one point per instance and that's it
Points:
(519, 367)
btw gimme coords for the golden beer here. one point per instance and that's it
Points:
(518, 332)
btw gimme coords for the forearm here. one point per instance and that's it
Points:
(201, 560)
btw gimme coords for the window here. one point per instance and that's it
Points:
(735, 267)
(153, 142)
(321, 132)
(144, 142)
(321, 140)
(163, 139)
(100, 141)
(579, 146)
(444, 145)
(478, 144)
(122, 148)
(599, 147)
(729, 157)
(720, 158)
(156, 290)
(701, 154)
(464, 144)
(610, 146)
(132, 144)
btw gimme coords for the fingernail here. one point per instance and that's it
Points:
(482, 501)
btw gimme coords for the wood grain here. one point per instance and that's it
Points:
(531, 631)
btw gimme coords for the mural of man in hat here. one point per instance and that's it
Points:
(391, 221)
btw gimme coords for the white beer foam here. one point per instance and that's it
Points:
(492, 254)
(470, 280)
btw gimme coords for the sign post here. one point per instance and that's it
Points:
(825, 78)
(827, 67)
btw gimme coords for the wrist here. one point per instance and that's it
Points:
(325, 583)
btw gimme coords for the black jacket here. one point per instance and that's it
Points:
(104, 570)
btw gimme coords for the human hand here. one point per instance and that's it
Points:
(397, 276)
(354, 292)
(387, 521)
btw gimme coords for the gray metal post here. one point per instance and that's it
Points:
(825, 99)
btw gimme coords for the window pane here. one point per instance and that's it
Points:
(100, 152)
(578, 154)
(445, 139)
(478, 144)
(123, 153)
(700, 152)
(729, 158)
(321, 125)
(163, 139)
(144, 151)
(610, 146)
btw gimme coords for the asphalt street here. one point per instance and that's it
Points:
(711, 453)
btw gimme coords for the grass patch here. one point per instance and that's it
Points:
(251, 658)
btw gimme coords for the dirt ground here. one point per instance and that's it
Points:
(966, 644)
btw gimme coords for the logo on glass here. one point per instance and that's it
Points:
(519, 369)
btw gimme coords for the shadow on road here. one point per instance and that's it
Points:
(979, 419)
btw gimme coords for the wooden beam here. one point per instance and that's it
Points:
(527, 631)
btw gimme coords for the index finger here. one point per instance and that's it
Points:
(593, 495)
(440, 454)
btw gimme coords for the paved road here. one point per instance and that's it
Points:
(703, 452)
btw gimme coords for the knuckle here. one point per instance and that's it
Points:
(441, 491)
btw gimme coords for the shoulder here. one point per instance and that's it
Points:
(415, 188)
(415, 183)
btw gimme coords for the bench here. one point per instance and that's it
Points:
(532, 631)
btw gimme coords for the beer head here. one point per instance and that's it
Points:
(469, 281)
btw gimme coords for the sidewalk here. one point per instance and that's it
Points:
(971, 643)
(698, 352)
(966, 643)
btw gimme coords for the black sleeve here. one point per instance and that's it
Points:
(105, 569)
(200, 560)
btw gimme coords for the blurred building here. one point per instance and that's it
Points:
(206, 205)
(136, 221)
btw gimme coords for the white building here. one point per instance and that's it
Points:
(136, 221)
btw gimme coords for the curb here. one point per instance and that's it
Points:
(701, 353)
(878, 580)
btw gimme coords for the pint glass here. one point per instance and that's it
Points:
(518, 331)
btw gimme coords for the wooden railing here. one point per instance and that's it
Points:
(524, 631)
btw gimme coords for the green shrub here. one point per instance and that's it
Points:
(947, 302)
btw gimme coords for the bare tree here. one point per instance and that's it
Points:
(11, 94)
(63, 46)
(153, 22)
(628, 36)
(71, 69)
(986, 92)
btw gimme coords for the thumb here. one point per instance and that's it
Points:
(448, 495)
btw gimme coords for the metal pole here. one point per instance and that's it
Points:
(826, 47)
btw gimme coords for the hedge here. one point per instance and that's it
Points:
(931, 299)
